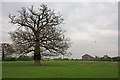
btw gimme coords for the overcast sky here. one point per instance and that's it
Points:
(91, 26)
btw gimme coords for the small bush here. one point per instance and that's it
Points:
(65, 59)
(25, 58)
(10, 59)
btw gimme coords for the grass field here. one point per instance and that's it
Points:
(60, 69)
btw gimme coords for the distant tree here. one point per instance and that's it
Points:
(7, 50)
(97, 58)
(39, 32)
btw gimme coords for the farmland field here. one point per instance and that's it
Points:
(60, 69)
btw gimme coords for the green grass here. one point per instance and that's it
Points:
(60, 69)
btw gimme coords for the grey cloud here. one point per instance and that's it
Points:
(84, 22)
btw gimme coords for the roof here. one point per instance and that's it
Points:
(87, 56)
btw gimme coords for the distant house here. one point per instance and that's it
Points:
(87, 57)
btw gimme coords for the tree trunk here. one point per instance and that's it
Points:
(37, 55)
(3, 54)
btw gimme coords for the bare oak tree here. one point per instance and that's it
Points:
(39, 32)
